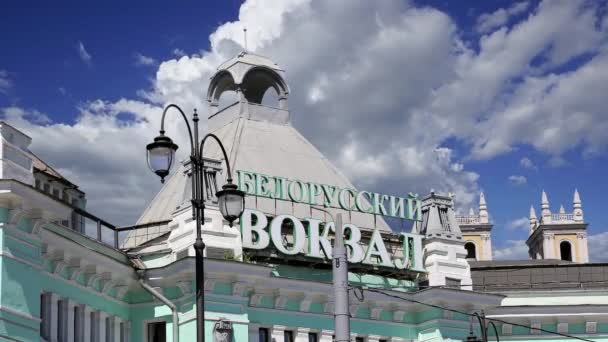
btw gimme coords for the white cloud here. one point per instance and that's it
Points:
(378, 98)
(85, 56)
(5, 82)
(527, 163)
(488, 21)
(522, 223)
(513, 250)
(178, 52)
(144, 60)
(518, 180)
(598, 245)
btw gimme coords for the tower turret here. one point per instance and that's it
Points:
(545, 212)
(558, 236)
(577, 207)
(476, 232)
(533, 219)
(483, 209)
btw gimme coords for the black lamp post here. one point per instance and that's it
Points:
(231, 201)
(483, 328)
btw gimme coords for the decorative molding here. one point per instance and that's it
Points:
(38, 224)
(92, 279)
(328, 307)
(239, 288)
(209, 285)
(10, 255)
(398, 315)
(20, 314)
(185, 286)
(305, 303)
(121, 292)
(256, 299)
(375, 312)
(280, 301)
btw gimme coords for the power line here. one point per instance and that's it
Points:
(472, 315)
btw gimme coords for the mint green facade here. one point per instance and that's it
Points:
(26, 275)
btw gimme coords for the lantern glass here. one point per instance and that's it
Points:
(161, 154)
(231, 202)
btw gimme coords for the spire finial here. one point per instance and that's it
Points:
(532, 213)
(578, 207)
(533, 220)
(483, 209)
(245, 37)
(545, 212)
(561, 209)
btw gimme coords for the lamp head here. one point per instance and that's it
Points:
(231, 201)
(161, 154)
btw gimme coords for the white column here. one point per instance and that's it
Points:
(326, 336)
(278, 333)
(548, 246)
(373, 338)
(86, 324)
(117, 322)
(54, 316)
(302, 335)
(253, 332)
(70, 323)
(102, 326)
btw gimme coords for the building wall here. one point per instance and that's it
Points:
(476, 239)
(573, 242)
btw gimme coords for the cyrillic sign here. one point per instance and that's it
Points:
(311, 238)
(282, 188)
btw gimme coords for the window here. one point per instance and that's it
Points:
(46, 187)
(157, 331)
(288, 336)
(124, 332)
(37, 183)
(565, 250)
(94, 332)
(455, 283)
(78, 324)
(313, 337)
(359, 339)
(109, 329)
(62, 320)
(56, 192)
(45, 315)
(471, 250)
(263, 335)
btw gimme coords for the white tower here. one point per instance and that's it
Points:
(476, 232)
(444, 252)
(561, 236)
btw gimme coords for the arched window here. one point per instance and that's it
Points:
(471, 250)
(565, 250)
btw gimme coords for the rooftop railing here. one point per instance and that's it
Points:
(562, 217)
(467, 219)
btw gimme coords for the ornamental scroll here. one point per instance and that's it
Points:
(222, 331)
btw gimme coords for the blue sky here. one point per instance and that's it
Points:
(481, 86)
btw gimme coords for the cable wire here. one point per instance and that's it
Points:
(472, 315)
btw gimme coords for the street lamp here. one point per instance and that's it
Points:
(231, 201)
(483, 328)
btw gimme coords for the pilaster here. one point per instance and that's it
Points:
(86, 323)
(302, 335)
(70, 323)
(277, 333)
(102, 326)
(326, 336)
(54, 317)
